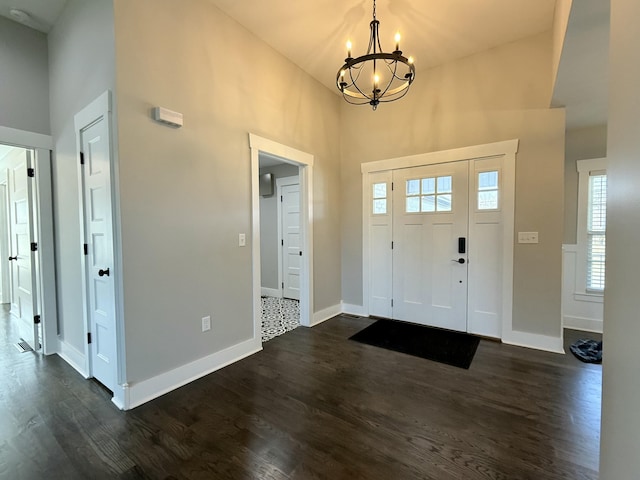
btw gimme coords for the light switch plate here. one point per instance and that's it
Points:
(242, 239)
(527, 237)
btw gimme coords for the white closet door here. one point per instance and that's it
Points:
(291, 245)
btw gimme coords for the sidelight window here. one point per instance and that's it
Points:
(380, 198)
(488, 190)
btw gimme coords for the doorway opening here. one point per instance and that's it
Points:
(280, 248)
(282, 237)
(27, 273)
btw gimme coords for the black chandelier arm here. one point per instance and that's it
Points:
(393, 75)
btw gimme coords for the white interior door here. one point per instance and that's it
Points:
(96, 178)
(23, 297)
(430, 216)
(291, 245)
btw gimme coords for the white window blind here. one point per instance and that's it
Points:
(596, 230)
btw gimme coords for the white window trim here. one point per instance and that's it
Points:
(584, 168)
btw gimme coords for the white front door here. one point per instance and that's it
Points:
(96, 179)
(23, 296)
(291, 245)
(430, 230)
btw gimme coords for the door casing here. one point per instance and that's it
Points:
(506, 149)
(41, 146)
(101, 107)
(304, 161)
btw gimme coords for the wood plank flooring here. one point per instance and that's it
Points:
(311, 405)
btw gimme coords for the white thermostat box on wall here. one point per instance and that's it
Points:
(166, 116)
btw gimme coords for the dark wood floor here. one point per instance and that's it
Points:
(312, 405)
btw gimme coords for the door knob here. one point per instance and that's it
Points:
(102, 273)
(13, 258)
(459, 260)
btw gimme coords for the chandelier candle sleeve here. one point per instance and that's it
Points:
(390, 74)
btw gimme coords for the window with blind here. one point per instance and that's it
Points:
(591, 233)
(596, 230)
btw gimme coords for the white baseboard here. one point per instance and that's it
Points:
(353, 309)
(534, 340)
(136, 394)
(270, 292)
(325, 314)
(581, 323)
(73, 357)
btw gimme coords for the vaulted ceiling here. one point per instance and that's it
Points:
(313, 35)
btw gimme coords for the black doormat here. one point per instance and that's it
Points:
(452, 348)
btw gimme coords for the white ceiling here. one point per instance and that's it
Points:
(313, 34)
(582, 83)
(42, 13)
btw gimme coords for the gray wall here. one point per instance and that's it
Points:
(619, 457)
(81, 67)
(24, 78)
(496, 95)
(186, 193)
(580, 144)
(269, 227)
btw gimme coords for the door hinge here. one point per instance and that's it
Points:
(300, 252)
(282, 242)
(392, 186)
(89, 337)
(282, 284)
(31, 172)
(86, 249)
(281, 198)
(34, 246)
(392, 303)
(392, 245)
(81, 158)
(36, 319)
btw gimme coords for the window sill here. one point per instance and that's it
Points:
(588, 297)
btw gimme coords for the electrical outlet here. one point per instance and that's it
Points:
(527, 237)
(206, 323)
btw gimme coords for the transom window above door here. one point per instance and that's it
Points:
(432, 194)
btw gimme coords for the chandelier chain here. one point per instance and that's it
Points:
(374, 9)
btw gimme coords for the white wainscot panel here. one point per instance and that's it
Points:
(580, 311)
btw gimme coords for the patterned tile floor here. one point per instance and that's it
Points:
(279, 315)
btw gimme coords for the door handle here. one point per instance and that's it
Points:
(459, 260)
(102, 273)
(13, 258)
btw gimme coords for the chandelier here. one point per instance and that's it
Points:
(376, 76)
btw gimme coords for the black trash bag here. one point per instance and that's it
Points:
(589, 351)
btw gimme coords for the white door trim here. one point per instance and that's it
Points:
(506, 149)
(281, 182)
(42, 146)
(99, 108)
(305, 163)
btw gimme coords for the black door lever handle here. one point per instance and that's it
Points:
(13, 258)
(459, 260)
(102, 273)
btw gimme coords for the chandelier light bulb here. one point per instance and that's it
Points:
(410, 60)
(397, 38)
(349, 48)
